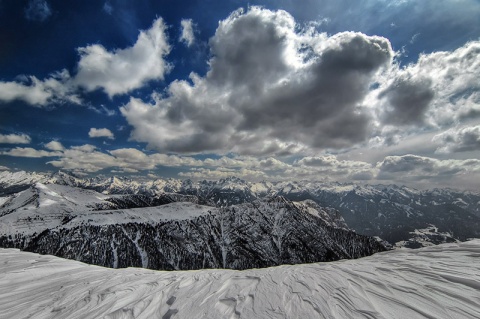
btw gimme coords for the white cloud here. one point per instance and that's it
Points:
(54, 146)
(123, 70)
(418, 171)
(187, 36)
(116, 72)
(439, 90)
(29, 152)
(101, 132)
(15, 139)
(271, 89)
(55, 89)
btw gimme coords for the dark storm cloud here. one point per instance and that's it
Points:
(409, 99)
(269, 87)
(38, 10)
(320, 107)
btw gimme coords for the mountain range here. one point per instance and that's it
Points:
(389, 211)
(172, 231)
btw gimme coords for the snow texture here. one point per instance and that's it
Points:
(434, 282)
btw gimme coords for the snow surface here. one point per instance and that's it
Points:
(152, 215)
(433, 282)
(44, 206)
(3, 200)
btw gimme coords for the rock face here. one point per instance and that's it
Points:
(65, 221)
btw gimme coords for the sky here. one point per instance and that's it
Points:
(371, 91)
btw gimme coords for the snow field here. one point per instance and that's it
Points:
(433, 282)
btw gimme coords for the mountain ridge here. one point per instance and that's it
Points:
(388, 211)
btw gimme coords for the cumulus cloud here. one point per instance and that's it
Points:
(414, 170)
(54, 146)
(458, 140)
(38, 10)
(439, 90)
(116, 72)
(187, 36)
(15, 139)
(88, 159)
(100, 132)
(271, 89)
(54, 89)
(123, 70)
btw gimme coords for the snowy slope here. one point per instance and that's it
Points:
(44, 206)
(435, 282)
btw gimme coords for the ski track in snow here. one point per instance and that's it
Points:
(433, 282)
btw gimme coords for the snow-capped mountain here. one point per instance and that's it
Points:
(390, 212)
(172, 231)
(434, 282)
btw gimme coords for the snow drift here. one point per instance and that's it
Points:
(435, 282)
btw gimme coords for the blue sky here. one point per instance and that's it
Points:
(372, 92)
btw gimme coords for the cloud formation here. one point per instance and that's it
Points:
(115, 72)
(15, 139)
(101, 132)
(123, 70)
(54, 89)
(414, 167)
(271, 89)
(54, 146)
(414, 170)
(29, 152)
(88, 159)
(187, 35)
(440, 90)
(458, 140)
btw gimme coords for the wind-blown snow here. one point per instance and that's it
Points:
(433, 282)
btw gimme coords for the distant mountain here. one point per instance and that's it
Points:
(388, 211)
(172, 231)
